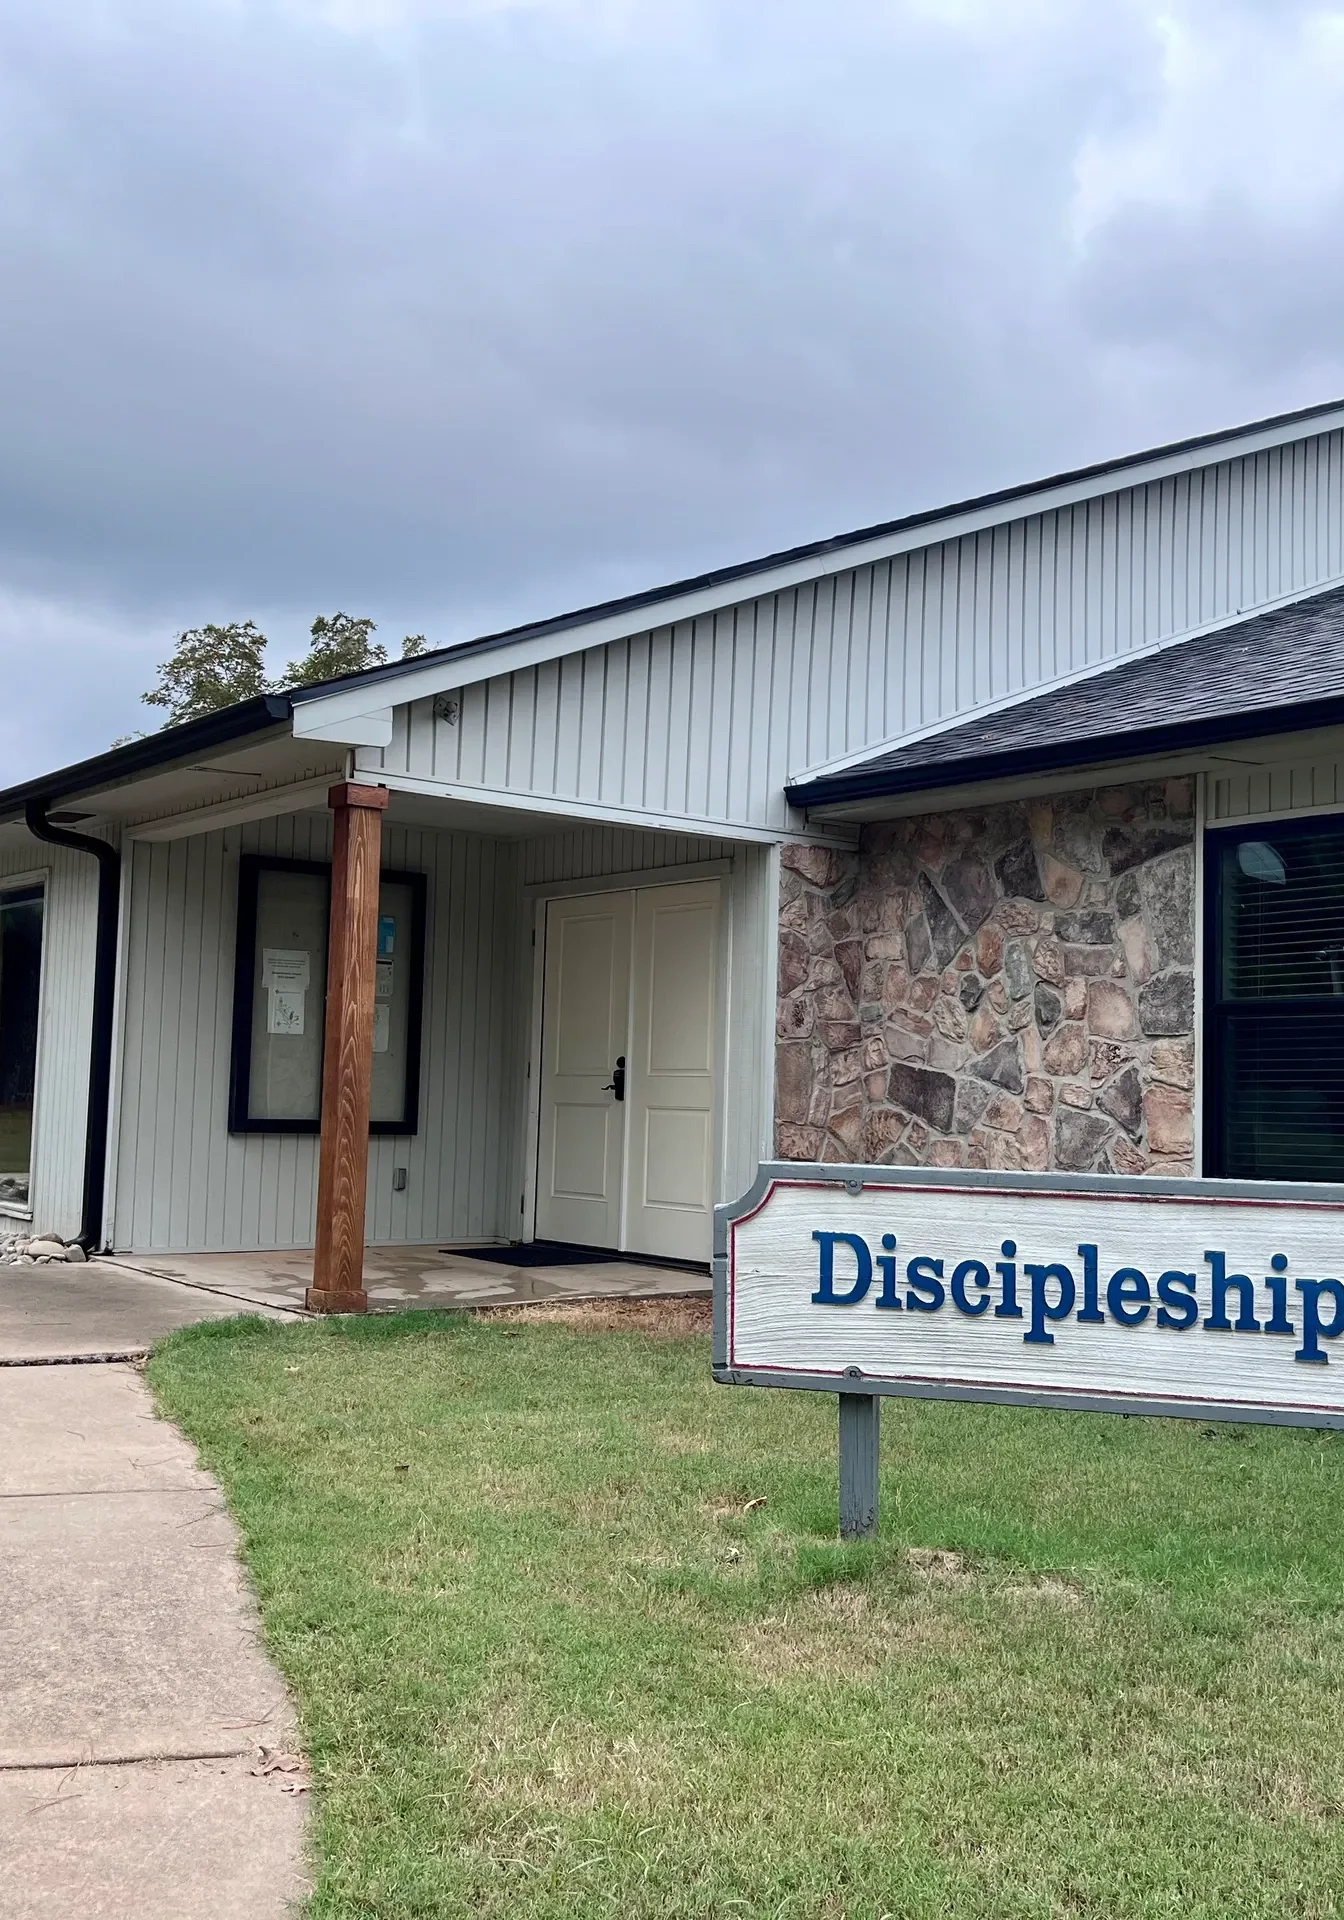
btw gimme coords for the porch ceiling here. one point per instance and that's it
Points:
(229, 771)
(472, 816)
(440, 813)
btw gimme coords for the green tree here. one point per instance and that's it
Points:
(341, 643)
(210, 667)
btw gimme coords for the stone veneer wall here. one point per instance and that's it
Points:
(1006, 987)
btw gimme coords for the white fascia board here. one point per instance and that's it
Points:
(485, 661)
(298, 798)
(348, 726)
(584, 812)
(1022, 695)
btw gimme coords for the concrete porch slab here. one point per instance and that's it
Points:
(402, 1277)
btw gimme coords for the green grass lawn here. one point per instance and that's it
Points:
(552, 1661)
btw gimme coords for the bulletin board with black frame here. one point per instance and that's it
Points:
(279, 999)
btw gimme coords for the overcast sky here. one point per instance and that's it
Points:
(459, 312)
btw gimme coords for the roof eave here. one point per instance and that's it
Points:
(1071, 756)
(151, 755)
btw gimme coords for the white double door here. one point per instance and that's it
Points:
(627, 1084)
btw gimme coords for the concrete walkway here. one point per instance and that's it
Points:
(135, 1691)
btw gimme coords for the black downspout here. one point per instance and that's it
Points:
(104, 998)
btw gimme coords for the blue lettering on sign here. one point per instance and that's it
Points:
(971, 1273)
(1041, 1307)
(1179, 1307)
(926, 1293)
(1056, 1293)
(1223, 1283)
(1314, 1329)
(1008, 1308)
(826, 1295)
(886, 1266)
(1128, 1296)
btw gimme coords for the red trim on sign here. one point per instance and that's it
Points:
(770, 1188)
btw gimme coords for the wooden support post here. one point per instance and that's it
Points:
(860, 1425)
(347, 1052)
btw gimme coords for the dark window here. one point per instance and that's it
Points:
(20, 984)
(1276, 1002)
(279, 998)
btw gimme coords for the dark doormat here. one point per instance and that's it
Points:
(558, 1253)
(541, 1253)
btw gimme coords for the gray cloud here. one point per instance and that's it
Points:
(457, 314)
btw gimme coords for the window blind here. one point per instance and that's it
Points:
(1277, 1023)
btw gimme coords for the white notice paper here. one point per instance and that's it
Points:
(286, 967)
(382, 1026)
(383, 989)
(285, 1013)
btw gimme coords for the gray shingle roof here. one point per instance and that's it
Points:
(1277, 671)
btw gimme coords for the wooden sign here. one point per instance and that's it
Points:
(1206, 1299)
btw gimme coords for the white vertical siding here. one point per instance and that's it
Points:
(752, 893)
(69, 932)
(1296, 786)
(707, 718)
(184, 1183)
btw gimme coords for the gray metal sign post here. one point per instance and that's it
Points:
(860, 1431)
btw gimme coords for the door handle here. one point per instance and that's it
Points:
(616, 1084)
